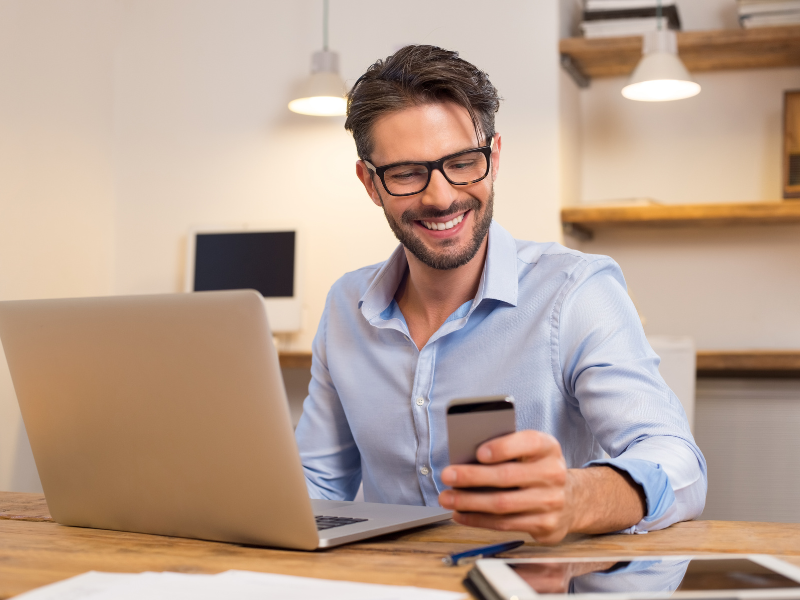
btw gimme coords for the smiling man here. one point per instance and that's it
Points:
(462, 309)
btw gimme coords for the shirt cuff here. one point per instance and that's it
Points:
(658, 491)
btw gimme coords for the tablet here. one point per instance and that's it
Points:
(630, 578)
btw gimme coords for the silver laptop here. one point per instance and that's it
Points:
(167, 414)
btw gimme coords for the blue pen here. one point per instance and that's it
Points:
(463, 558)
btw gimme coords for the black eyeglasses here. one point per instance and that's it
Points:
(461, 168)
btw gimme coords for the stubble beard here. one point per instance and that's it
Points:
(443, 260)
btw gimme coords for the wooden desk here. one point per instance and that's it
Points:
(35, 551)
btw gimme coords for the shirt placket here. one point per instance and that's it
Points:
(420, 401)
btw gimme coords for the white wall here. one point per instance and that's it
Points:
(126, 122)
(723, 145)
(56, 171)
(729, 288)
(203, 135)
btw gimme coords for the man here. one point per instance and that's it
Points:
(462, 309)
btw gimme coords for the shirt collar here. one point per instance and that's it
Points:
(498, 281)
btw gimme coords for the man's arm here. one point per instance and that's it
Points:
(550, 500)
(330, 457)
(602, 361)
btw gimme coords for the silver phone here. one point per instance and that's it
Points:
(473, 421)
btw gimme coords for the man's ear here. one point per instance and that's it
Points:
(496, 155)
(367, 179)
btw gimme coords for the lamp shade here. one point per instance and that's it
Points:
(660, 75)
(322, 93)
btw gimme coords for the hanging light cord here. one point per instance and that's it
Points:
(325, 24)
(658, 12)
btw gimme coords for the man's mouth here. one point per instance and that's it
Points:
(442, 225)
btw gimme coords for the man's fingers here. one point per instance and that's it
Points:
(522, 445)
(545, 528)
(546, 472)
(507, 502)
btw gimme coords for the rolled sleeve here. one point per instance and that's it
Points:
(607, 365)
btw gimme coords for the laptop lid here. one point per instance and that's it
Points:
(160, 414)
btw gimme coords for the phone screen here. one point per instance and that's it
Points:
(649, 576)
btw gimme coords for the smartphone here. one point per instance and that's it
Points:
(473, 421)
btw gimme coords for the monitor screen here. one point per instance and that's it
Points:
(259, 260)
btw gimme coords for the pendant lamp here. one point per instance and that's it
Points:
(322, 93)
(660, 75)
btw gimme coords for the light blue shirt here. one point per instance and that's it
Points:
(550, 326)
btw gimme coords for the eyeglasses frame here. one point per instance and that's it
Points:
(437, 165)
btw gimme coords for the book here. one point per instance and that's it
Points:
(770, 19)
(621, 27)
(625, 4)
(668, 13)
(769, 6)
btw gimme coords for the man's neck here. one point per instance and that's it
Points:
(427, 296)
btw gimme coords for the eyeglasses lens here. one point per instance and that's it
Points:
(412, 179)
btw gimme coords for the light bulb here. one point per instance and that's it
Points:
(319, 106)
(322, 93)
(661, 90)
(660, 75)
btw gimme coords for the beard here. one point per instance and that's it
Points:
(446, 258)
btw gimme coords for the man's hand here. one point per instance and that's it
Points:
(546, 499)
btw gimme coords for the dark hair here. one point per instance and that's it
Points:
(419, 75)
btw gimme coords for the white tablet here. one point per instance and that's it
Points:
(629, 578)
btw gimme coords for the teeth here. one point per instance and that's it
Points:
(443, 226)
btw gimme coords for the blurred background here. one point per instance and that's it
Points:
(124, 124)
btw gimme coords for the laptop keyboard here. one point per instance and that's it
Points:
(329, 522)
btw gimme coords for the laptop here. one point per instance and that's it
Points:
(167, 414)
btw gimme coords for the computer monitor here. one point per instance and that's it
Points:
(263, 260)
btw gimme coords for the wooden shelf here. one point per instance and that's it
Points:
(295, 360)
(583, 220)
(727, 363)
(700, 51)
(752, 363)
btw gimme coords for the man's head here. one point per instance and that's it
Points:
(421, 104)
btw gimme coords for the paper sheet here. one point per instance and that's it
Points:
(233, 585)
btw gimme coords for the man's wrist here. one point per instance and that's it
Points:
(602, 499)
(576, 492)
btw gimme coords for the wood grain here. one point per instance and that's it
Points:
(34, 553)
(295, 360)
(791, 140)
(24, 507)
(683, 215)
(699, 50)
(750, 363)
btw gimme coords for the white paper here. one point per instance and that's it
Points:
(233, 585)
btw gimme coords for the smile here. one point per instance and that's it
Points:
(446, 225)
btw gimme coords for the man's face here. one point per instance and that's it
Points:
(427, 133)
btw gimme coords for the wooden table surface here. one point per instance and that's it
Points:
(35, 551)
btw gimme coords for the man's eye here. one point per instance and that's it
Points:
(407, 174)
(464, 164)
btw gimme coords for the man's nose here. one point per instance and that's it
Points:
(439, 193)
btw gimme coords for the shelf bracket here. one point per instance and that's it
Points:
(576, 231)
(573, 70)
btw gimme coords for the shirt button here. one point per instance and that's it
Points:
(424, 470)
(420, 401)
